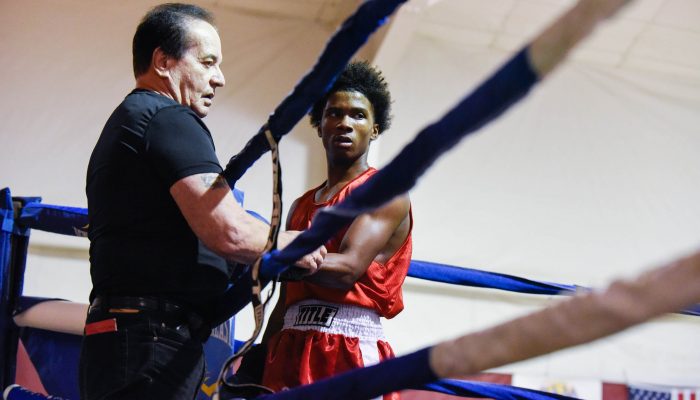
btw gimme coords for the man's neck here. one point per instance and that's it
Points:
(338, 177)
(341, 174)
(146, 82)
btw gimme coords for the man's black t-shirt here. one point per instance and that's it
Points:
(140, 244)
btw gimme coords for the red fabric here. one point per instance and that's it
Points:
(301, 357)
(378, 289)
(104, 326)
(26, 374)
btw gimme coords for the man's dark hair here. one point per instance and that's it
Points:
(165, 26)
(361, 77)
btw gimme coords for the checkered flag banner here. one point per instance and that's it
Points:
(647, 392)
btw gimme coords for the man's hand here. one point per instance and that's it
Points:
(310, 262)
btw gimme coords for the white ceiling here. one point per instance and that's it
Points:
(649, 35)
(661, 35)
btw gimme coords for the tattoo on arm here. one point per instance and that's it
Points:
(213, 181)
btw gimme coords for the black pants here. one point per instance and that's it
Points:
(150, 356)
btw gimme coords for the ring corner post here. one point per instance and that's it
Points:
(14, 242)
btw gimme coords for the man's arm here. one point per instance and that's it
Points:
(207, 204)
(376, 235)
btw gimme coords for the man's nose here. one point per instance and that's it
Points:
(344, 123)
(218, 78)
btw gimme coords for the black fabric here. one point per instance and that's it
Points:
(140, 244)
(199, 328)
(150, 356)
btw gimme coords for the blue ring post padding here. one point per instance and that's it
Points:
(7, 214)
(7, 327)
(14, 254)
(352, 34)
(71, 221)
(509, 84)
(474, 277)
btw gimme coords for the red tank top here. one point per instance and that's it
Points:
(379, 288)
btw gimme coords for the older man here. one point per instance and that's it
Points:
(163, 222)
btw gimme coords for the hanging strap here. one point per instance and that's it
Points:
(256, 288)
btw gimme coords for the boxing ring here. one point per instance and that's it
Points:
(504, 88)
(44, 334)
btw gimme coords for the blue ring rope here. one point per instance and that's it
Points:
(508, 85)
(73, 220)
(338, 51)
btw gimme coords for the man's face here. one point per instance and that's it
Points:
(197, 74)
(347, 126)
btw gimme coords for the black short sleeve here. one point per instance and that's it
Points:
(179, 145)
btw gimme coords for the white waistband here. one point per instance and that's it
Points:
(340, 319)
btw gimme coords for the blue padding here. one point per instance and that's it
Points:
(488, 390)
(6, 211)
(63, 220)
(17, 392)
(339, 49)
(7, 214)
(8, 288)
(474, 277)
(7, 220)
(365, 383)
(53, 354)
(509, 84)
(72, 221)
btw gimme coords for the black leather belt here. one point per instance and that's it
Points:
(200, 328)
(138, 303)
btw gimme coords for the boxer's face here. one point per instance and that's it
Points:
(347, 126)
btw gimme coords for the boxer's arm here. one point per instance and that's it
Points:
(372, 236)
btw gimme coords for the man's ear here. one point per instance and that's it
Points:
(375, 132)
(160, 63)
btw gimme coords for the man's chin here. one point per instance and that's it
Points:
(201, 111)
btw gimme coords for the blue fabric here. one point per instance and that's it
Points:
(488, 101)
(6, 211)
(351, 36)
(488, 390)
(52, 354)
(474, 277)
(17, 392)
(7, 327)
(71, 221)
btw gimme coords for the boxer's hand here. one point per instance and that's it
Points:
(311, 262)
